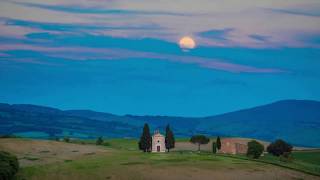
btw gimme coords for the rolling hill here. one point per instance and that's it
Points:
(297, 121)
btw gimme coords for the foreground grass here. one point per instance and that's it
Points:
(123, 160)
(303, 161)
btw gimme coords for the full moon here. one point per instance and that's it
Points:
(187, 43)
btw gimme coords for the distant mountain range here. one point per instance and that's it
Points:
(296, 121)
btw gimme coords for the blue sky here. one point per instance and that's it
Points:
(123, 57)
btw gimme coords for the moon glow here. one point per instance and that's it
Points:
(187, 43)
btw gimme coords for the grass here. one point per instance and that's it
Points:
(304, 161)
(121, 161)
(124, 158)
(124, 161)
(312, 157)
(125, 144)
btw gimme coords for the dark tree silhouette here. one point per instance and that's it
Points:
(99, 141)
(279, 147)
(255, 149)
(9, 166)
(66, 139)
(199, 140)
(218, 143)
(214, 147)
(169, 140)
(145, 139)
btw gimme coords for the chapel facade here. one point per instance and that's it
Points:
(158, 142)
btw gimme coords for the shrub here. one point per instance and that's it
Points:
(106, 144)
(99, 141)
(255, 149)
(66, 139)
(8, 136)
(279, 147)
(9, 165)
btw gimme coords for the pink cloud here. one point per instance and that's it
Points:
(85, 54)
(3, 54)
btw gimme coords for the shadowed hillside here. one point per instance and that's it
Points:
(297, 121)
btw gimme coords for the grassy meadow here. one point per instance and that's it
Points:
(121, 159)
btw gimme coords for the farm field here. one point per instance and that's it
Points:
(120, 159)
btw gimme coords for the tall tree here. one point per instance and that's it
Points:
(214, 147)
(170, 141)
(145, 139)
(199, 140)
(218, 143)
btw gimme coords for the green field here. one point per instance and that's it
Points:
(306, 161)
(125, 158)
(122, 160)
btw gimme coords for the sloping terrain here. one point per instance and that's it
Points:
(121, 160)
(39, 152)
(297, 121)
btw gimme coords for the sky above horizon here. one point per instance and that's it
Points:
(123, 56)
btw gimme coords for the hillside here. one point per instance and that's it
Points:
(120, 159)
(297, 121)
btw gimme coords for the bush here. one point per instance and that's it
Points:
(99, 141)
(106, 144)
(8, 136)
(66, 139)
(279, 147)
(255, 149)
(9, 165)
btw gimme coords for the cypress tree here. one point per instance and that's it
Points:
(218, 143)
(145, 139)
(214, 147)
(169, 140)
